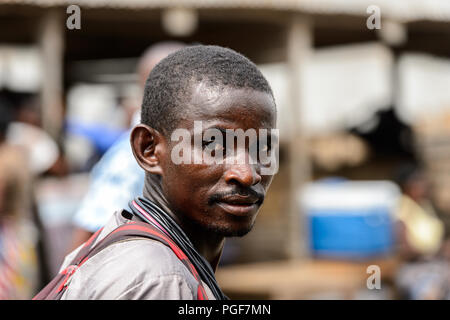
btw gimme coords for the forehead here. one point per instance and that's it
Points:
(239, 108)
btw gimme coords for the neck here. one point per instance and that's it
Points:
(208, 244)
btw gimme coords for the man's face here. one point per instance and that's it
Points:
(223, 197)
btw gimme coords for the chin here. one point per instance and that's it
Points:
(231, 231)
(226, 226)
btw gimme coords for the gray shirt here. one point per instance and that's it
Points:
(136, 268)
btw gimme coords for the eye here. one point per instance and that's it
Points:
(213, 145)
(265, 147)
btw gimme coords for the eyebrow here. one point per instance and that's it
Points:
(223, 131)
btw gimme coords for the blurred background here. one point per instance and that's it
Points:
(364, 119)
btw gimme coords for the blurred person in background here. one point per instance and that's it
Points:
(43, 157)
(117, 178)
(18, 236)
(42, 151)
(425, 272)
(421, 231)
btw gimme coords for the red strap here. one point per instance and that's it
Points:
(134, 225)
(92, 238)
(68, 272)
(131, 229)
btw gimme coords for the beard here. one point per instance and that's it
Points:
(238, 228)
(229, 232)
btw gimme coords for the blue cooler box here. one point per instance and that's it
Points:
(350, 219)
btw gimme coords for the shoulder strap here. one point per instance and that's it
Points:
(124, 232)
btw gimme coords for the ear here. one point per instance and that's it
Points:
(148, 147)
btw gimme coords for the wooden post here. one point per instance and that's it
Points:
(299, 47)
(51, 43)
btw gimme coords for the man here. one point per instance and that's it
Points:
(420, 230)
(117, 176)
(203, 201)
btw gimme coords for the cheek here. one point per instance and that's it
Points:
(189, 184)
(266, 181)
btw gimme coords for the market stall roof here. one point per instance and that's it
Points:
(401, 10)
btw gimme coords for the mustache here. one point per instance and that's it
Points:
(247, 193)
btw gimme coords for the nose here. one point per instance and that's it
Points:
(243, 174)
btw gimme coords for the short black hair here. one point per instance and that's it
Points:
(169, 84)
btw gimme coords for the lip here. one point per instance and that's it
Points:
(239, 200)
(238, 209)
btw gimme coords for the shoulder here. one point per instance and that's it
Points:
(144, 255)
(133, 269)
